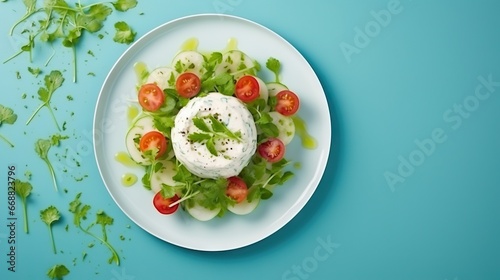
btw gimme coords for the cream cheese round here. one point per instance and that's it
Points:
(232, 155)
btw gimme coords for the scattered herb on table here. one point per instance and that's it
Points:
(124, 34)
(58, 271)
(66, 23)
(80, 211)
(42, 147)
(7, 116)
(52, 81)
(49, 216)
(23, 190)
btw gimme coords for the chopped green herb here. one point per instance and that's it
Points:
(35, 71)
(124, 34)
(23, 190)
(42, 147)
(18, 75)
(69, 97)
(23, 96)
(49, 216)
(7, 116)
(91, 53)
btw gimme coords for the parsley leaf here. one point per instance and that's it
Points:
(49, 216)
(42, 147)
(124, 5)
(58, 271)
(275, 66)
(34, 71)
(23, 190)
(53, 81)
(7, 116)
(124, 34)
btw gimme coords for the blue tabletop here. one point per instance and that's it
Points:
(411, 189)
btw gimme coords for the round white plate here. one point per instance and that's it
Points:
(157, 48)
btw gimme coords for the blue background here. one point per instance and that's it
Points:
(404, 79)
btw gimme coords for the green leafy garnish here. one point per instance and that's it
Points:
(48, 216)
(23, 190)
(58, 271)
(124, 34)
(42, 147)
(7, 116)
(34, 71)
(275, 66)
(80, 211)
(67, 23)
(210, 134)
(52, 81)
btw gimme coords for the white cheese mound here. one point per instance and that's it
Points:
(232, 155)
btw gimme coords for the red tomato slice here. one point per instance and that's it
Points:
(151, 97)
(188, 84)
(273, 150)
(247, 89)
(153, 140)
(236, 189)
(288, 103)
(163, 204)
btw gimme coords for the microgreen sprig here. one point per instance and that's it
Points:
(7, 116)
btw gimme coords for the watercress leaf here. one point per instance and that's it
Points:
(285, 177)
(124, 34)
(58, 271)
(201, 125)
(167, 191)
(265, 118)
(50, 215)
(211, 147)
(124, 5)
(269, 129)
(7, 115)
(199, 137)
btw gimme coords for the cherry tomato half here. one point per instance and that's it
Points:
(272, 150)
(153, 140)
(188, 84)
(287, 103)
(247, 89)
(162, 204)
(236, 189)
(151, 97)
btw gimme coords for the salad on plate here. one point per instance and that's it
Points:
(210, 133)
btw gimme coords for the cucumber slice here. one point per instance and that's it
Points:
(274, 88)
(139, 128)
(237, 63)
(189, 61)
(163, 176)
(161, 76)
(244, 207)
(285, 125)
(263, 90)
(201, 213)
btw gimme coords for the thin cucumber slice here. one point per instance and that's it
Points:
(244, 207)
(139, 128)
(201, 213)
(285, 125)
(189, 61)
(237, 63)
(161, 76)
(163, 176)
(275, 88)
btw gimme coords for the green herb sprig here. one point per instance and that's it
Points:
(209, 134)
(23, 190)
(42, 147)
(49, 216)
(53, 81)
(80, 212)
(58, 271)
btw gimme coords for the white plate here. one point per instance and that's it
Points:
(157, 48)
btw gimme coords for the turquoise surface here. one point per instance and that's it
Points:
(411, 190)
